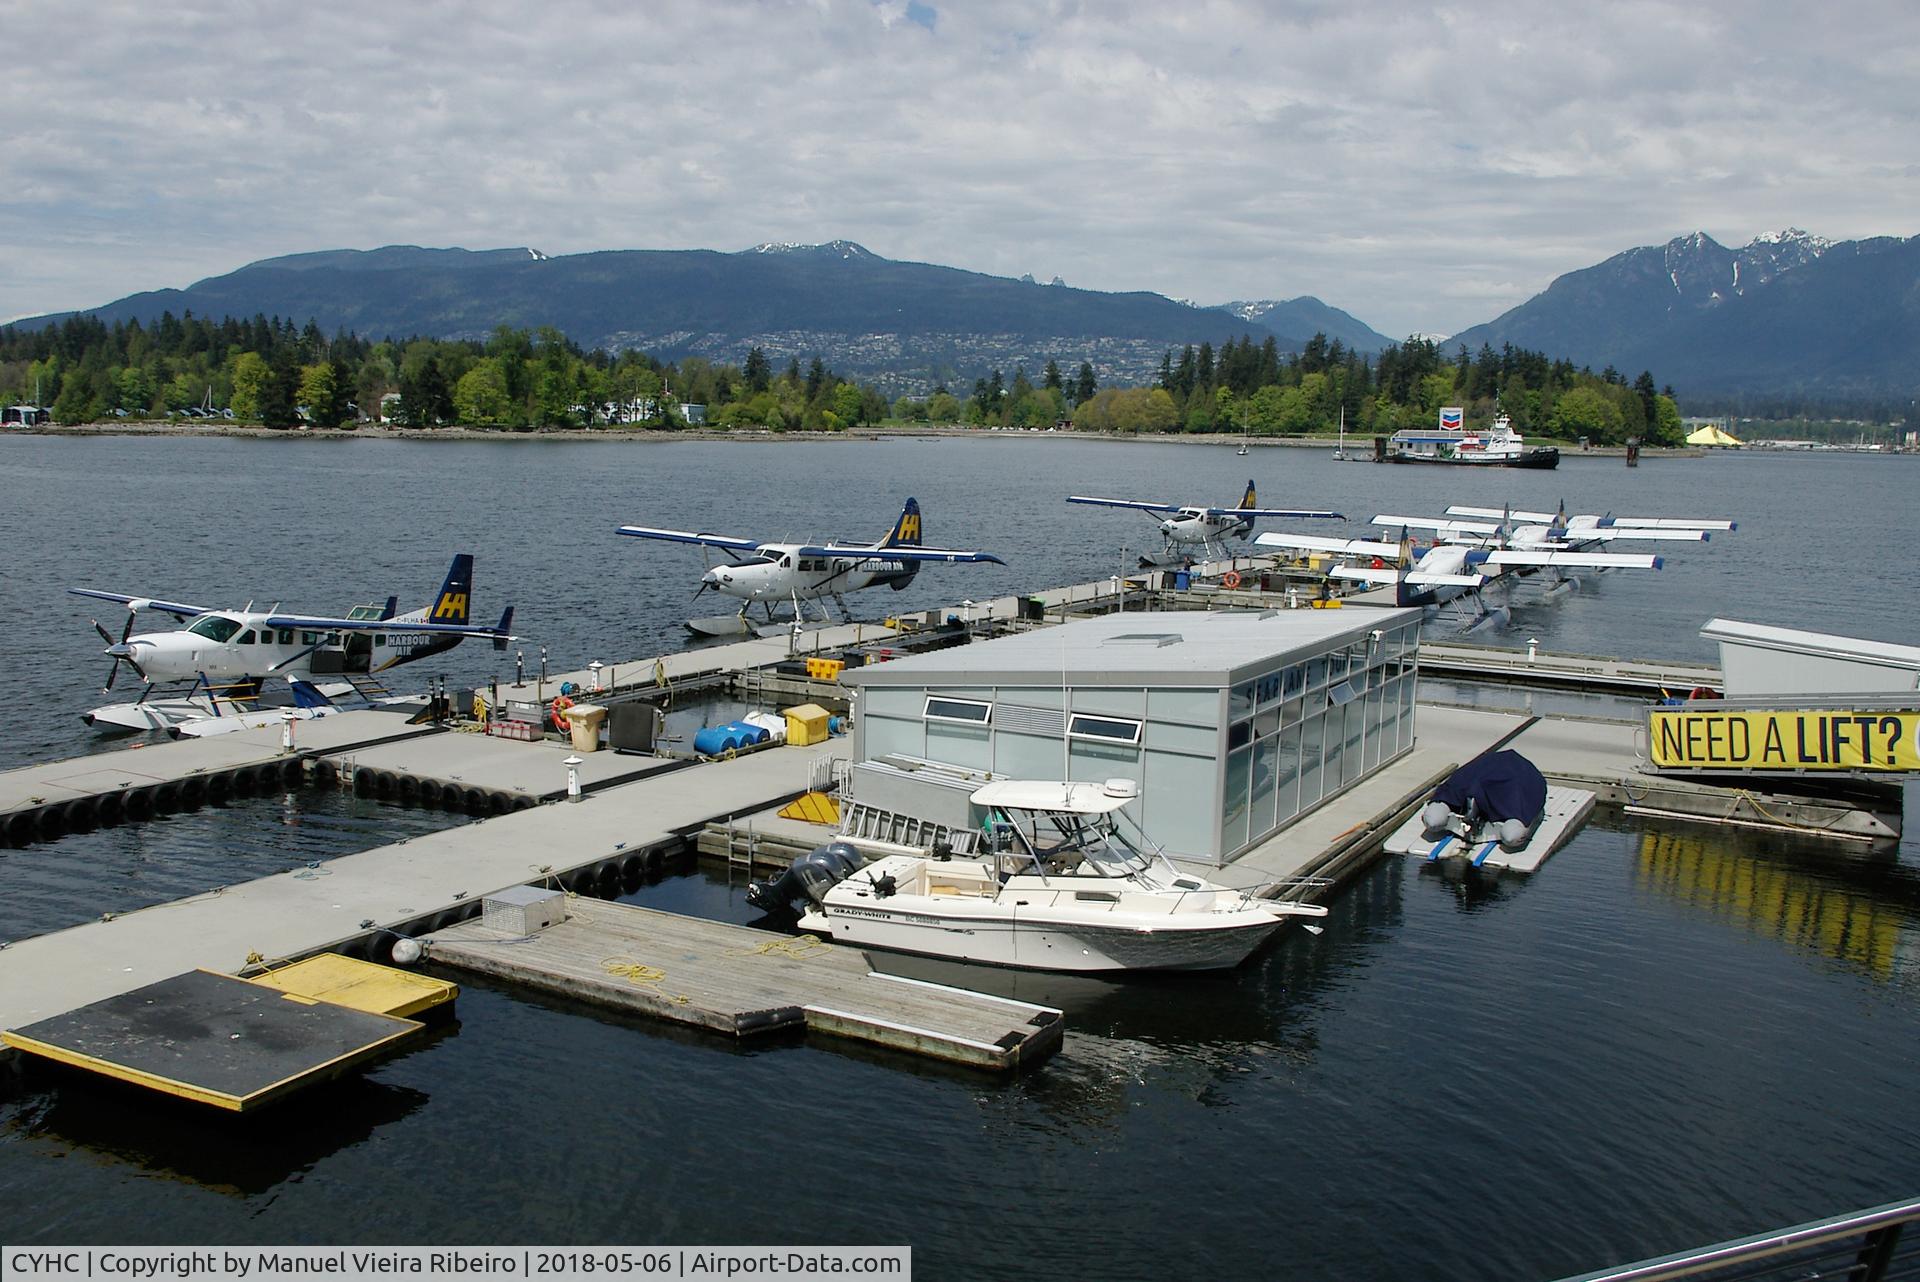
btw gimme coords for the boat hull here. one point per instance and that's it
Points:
(1540, 460)
(1042, 944)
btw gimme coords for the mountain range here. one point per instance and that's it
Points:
(904, 326)
(1788, 314)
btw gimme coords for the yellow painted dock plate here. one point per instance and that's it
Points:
(363, 985)
(214, 1039)
(813, 808)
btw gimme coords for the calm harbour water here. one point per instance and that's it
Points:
(1670, 1035)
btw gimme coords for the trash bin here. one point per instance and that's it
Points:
(584, 719)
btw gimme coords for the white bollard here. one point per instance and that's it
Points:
(286, 731)
(573, 778)
(1533, 648)
(594, 668)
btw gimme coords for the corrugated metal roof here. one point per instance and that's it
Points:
(1166, 649)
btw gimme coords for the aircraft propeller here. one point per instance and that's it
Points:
(118, 649)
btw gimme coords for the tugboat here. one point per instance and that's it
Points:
(1452, 443)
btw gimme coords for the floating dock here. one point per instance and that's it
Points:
(135, 783)
(409, 886)
(214, 1039)
(1566, 811)
(742, 982)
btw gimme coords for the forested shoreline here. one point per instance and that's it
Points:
(269, 371)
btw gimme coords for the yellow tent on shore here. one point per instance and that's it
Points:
(1711, 435)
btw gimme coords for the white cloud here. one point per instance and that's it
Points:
(1423, 169)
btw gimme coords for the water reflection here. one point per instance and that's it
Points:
(64, 1112)
(1853, 907)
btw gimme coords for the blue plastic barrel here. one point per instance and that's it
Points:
(711, 741)
(1182, 581)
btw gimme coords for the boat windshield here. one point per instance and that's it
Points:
(1059, 842)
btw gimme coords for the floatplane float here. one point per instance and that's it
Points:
(215, 668)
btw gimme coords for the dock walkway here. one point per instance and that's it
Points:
(106, 786)
(1550, 667)
(742, 982)
(305, 910)
(467, 769)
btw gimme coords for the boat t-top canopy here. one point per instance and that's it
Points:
(1068, 798)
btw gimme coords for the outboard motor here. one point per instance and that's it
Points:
(811, 876)
(1500, 794)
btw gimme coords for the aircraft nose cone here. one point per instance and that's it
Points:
(714, 578)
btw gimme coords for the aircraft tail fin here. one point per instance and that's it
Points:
(906, 531)
(1247, 499)
(451, 606)
(391, 608)
(506, 626)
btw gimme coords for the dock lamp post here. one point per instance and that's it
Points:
(1533, 648)
(287, 718)
(573, 778)
(594, 668)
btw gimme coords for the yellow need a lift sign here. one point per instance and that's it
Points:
(1697, 739)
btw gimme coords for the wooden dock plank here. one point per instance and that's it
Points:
(743, 982)
(534, 769)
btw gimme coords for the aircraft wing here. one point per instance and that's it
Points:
(689, 536)
(175, 608)
(316, 623)
(1592, 560)
(1433, 578)
(901, 552)
(1664, 523)
(1695, 535)
(1496, 514)
(1601, 522)
(1434, 524)
(1340, 547)
(1364, 574)
(1136, 504)
(1276, 512)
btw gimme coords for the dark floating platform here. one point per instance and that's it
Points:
(214, 1039)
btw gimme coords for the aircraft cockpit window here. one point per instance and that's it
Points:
(215, 627)
(786, 563)
(245, 638)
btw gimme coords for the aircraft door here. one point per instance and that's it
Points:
(359, 657)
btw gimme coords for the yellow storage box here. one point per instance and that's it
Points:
(825, 669)
(806, 724)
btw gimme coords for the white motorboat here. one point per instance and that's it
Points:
(1060, 886)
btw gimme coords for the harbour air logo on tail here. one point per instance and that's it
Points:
(1452, 418)
(453, 605)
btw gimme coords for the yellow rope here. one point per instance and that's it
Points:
(799, 947)
(642, 975)
(1743, 795)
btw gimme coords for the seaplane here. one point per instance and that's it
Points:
(1468, 561)
(217, 663)
(1185, 529)
(767, 573)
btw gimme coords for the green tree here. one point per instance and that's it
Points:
(481, 394)
(1585, 412)
(318, 392)
(943, 407)
(249, 373)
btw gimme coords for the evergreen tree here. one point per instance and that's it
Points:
(1083, 384)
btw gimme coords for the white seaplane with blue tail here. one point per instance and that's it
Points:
(217, 663)
(768, 573)
(1197, 533)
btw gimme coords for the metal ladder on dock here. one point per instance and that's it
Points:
(873, 823)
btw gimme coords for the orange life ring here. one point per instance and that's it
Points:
(1230, 580)
(559, 708)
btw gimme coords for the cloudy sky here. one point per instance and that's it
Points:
(1422, 168)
